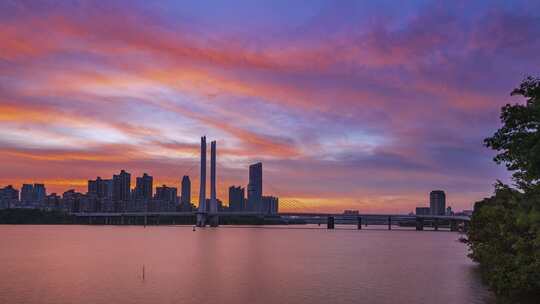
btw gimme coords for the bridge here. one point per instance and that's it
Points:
(329, 219)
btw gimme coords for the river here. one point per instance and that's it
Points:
(173, 264)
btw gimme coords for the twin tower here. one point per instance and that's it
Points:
(207, 214)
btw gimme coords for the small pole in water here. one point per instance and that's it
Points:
(143, 272)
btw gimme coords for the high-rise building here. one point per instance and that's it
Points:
(53, 201)
(270, 205)
(39, 194)
(9, 197)
(237, 198)
(121, 190)
(99, 188)
(186, 194)
(73, 201)
(167, 194)
(166, 198)
(255, 188)
(437, 202)
(110, 188)
(121, 186)
(27, 194)
(144, 187)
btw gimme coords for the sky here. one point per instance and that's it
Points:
(365, 105)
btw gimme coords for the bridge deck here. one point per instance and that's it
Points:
(282, 214)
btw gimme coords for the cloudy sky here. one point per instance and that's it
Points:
(348, 104)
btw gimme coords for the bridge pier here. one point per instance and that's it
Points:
(453, 225)
(419, 224)
(201, 220)
(214, 221)
(389, 223)
(359, 223)
(330, 223)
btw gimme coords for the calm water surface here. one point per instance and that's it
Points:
(104, 264)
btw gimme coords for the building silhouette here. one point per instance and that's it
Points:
(121, 190)
(33, 195)
(39, 194)
(437, 202)
(53, 201)
(9, 197)
(144, 189)
(166, 193)
(270, 205)
(74, 201)
(100, 187)
(423, 211)
(27, 194)
(255, 188)
(185, 197)
(237, 199)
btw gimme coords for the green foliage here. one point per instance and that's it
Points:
(504, 236)
(518, 140)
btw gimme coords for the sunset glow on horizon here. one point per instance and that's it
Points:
(348, 105)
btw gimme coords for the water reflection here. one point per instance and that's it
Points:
(106, 264)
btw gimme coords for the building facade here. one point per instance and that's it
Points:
(270, 205)
(237, 199)
(121, 190)
(144, 187)
(9, 197)
(423, 211)
(255, 188)
(437, 202)
(185, 197)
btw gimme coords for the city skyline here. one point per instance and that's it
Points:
(138, 198)
(351, 106)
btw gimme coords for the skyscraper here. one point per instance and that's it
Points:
(167, 194)
(165, 199)
(437, 202)
(237, 200)
(39, 194)
(27, 194)
(9, 197)
(144, 187)
(98, 187)
(121, 190)
(270, 205)
(255, 188)
(186, 194)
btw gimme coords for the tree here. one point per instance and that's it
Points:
(518, 141)
(505, 228)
